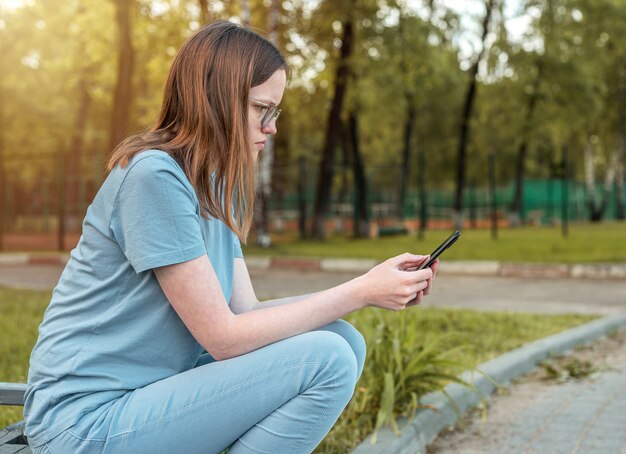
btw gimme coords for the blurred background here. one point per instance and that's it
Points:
(400, 116)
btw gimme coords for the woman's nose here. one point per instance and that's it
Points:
(270, 128)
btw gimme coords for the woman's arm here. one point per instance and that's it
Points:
(244, 299)
(195, 293)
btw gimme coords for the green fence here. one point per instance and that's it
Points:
(542, 203)
(39, 207)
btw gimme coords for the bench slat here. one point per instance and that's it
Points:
(8, 434)
(12, 393)
(15, 449)
(12, 440)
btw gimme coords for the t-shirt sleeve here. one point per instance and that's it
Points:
(156, 218)
(238, 253)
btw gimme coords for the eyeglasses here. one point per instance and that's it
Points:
(268, 112)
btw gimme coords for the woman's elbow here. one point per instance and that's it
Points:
(223, 344)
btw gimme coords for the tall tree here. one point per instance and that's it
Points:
(466, 114)
(522, 152)
(3, 183)
(333, 132)
(73, 170)
(205, 15)
(245, 15)
(266, 159)
(415, 70)
(73, 164)
(409, 120)
(122, 98)
(360, 227)
(621, 143)
(597, 207)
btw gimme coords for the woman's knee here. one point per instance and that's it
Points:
(336, 359)
(354, 339)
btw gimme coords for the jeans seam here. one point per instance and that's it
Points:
(46, 448)
(86, 439)
(324, 411)
(195, 404)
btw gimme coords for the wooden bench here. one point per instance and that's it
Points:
(12, 439)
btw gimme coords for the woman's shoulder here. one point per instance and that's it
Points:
(153, 159)
(150, 170)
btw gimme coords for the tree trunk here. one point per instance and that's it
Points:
(516, 206)
(406, 154)
(122, 99)
(205, 17)
(302, 187)
(598, 207)
(466, 115)
(73, 164)
(245, 13)
(590, 180)
(263, 192)
(266, 161)
(61, 212)
(360, 216)
(621, 144)
(619, 189)
(421, 183)
(333, 131)
(344, 185)
(3, 182)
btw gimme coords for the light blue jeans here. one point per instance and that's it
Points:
(283, 398)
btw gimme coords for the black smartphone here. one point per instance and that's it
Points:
(442, 247)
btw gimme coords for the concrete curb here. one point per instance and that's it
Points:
(468, 268)
(418, 432)
(28, 259)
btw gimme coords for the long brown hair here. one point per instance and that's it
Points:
(204, 119)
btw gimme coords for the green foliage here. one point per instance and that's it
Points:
(417, 351)
(561, 369)
(528, 244)
(21, 312)
(570, 57)
(403, 367)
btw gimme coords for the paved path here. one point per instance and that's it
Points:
(35, 277)
(586, 416)
(483, 293)
(577, 417)
(585, 296)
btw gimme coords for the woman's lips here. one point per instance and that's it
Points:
(260, 145)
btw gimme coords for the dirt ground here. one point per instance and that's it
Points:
(503, 408)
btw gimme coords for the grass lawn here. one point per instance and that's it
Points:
(481, 335)
(21, 312)
(586, 243)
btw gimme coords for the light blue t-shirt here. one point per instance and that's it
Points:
(109, 328)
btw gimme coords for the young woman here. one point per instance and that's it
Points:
(154, 340)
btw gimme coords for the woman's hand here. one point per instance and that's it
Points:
(389, 286)
(418, 299)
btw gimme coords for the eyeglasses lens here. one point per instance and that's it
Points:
(272, 113)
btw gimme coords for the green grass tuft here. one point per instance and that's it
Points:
(421, 350)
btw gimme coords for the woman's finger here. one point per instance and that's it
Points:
(435, 267)
(417, 300)
(428, 286)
